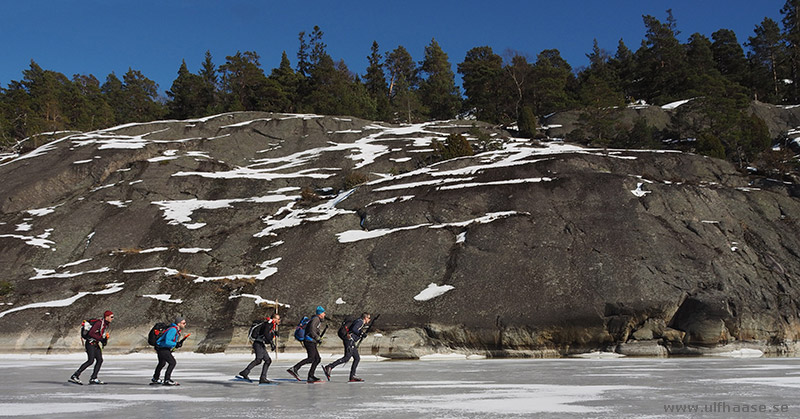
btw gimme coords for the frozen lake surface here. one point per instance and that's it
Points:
(579, 388)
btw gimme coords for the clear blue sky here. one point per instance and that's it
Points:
(153, 36)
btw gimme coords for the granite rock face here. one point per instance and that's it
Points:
(534, 248)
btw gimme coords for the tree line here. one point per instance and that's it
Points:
(720, 73)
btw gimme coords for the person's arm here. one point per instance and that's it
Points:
(270, 335)
(171, 337)
(94, 331)
(355, 329)
(264, 332)
(313, 328)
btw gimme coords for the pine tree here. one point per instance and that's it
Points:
(438, 92)
(702, 69)
(551, 76)
(600, 102)
(140, 96)
(482, 75)
(282, 86)
(623, 66)
(243, 82)
(20, 118)
(766, 50)
(331, 88)
(86, 107)
(112, 92)
(527, 123)
(186, 94)
(47, 90)
(791, 33)
(661, 63)
(455, 145)
(403, 84)
(729, 56)
(375, 82)
(208, 94)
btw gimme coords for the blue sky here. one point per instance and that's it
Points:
(101, 36)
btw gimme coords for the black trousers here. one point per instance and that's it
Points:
(95, 354)
(261, 355)
(350, 351)
(164, 358)
(313, 357)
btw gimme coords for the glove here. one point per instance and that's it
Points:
(104, 341)
(319, 341)
(179, 344)
(272, 346)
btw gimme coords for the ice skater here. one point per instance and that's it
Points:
(165, 345)
(313, 337)
(262, 335)
(350, 333)
(96, 336)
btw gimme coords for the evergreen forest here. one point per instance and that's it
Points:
(722, 75)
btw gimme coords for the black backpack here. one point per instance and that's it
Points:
(156, 332)
(344, 329)
(86, 326)
(255, 330)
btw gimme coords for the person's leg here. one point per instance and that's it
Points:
(343, 359)
(98, 360)
(267, 362)
(162, 360)
(90, 356)
(356, 359)
(309, 357)
(260, 351)
(315, 360)
(170, 365)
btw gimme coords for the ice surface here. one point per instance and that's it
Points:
(441, 387)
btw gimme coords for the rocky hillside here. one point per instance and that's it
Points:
(537, 248)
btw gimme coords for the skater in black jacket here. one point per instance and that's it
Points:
(261, 336)
(350, 333)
